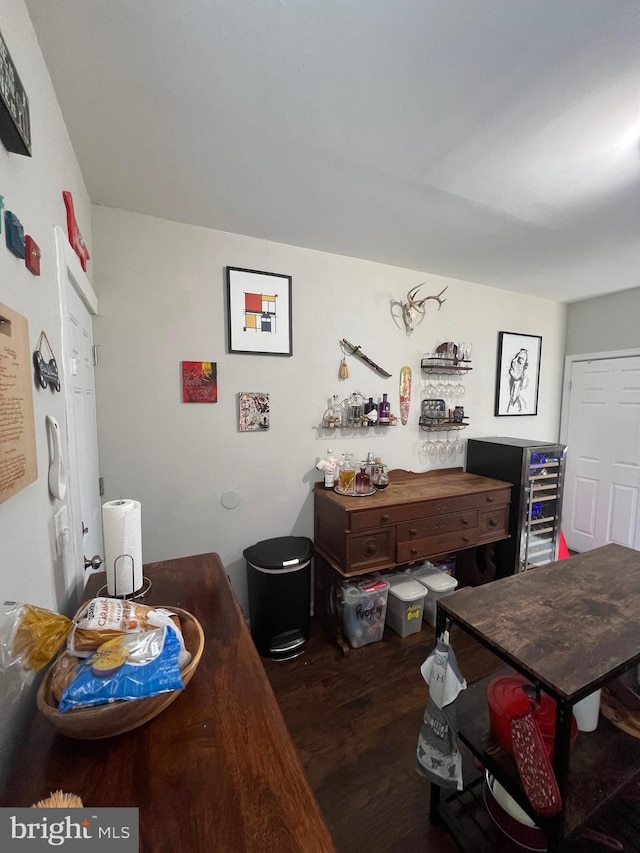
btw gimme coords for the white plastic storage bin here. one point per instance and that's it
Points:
(405, 605)
(438, 584)
(364, 609)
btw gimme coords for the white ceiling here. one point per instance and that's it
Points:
(494, 141)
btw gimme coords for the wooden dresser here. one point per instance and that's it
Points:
(217, 771)
(417, 517)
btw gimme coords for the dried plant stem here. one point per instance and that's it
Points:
(59, 800)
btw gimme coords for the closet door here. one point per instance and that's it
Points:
(602, 478)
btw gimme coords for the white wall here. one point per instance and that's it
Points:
(161, 290)
(32, 188)
(604, 324)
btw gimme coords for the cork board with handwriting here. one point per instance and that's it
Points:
(18, 465)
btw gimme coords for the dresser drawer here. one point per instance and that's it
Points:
(368, 551)
(386, 515)
(370, 519)
(434, 545)
(493, 523)
(410, 531)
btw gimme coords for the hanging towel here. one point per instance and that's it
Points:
(437, 755)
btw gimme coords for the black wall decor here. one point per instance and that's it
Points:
(15, 126)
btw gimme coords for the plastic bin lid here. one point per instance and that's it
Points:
(283, 552)
(437, 581)
(367, 583)
(406, 589)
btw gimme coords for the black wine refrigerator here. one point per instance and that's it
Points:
(536, 470)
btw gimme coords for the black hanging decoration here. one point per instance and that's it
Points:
(46, 371)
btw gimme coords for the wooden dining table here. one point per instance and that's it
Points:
(216, 770)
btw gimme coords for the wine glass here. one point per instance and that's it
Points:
(441, 388)
(430, 389)
(451, 445)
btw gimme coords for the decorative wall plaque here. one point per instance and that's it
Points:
(75, 237)
(18, 466)
(15, 124)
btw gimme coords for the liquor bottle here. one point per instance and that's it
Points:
(363, 481)
(369, 406)
(331, 470)
(384, 410)
(380, 477)
(346, 474)
(355, 409)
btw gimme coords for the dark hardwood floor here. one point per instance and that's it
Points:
(355, 721)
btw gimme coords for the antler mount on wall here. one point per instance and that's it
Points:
(412, 310)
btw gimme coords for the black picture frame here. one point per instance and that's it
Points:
(259, 318)
(518, 374)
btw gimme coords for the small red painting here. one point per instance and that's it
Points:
(199, 382)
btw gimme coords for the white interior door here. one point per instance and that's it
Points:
(78, 302)
(602, 476)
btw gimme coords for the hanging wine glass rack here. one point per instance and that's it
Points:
(455, 366)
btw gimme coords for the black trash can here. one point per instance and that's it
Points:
(279, 585)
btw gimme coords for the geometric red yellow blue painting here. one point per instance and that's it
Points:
(259, 312)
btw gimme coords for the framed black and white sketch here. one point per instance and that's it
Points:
(259, 312)
(518, 374)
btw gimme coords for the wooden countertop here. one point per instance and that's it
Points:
(217, 770)
(410, 487)
(572, 624)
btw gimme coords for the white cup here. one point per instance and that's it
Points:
(586, 712)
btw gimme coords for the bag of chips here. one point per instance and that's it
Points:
(130, 666)
(30, 636)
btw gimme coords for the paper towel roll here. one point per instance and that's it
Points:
(121, 524)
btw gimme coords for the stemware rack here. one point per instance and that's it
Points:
(436, 425)
(433, 364)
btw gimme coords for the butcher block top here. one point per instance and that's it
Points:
(571, 625)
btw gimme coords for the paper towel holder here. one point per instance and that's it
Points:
(137, 593)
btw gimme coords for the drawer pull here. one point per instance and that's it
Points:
(490, 499)
(371, 547)
(413, 551)
(465, 521)
(492, 521)
(385, 517)
(413, 531)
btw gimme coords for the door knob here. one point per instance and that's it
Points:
(94, 563)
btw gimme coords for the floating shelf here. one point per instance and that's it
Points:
(358, 426)
(445, 365)
(435, 425)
